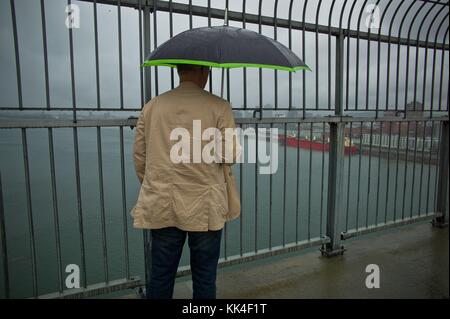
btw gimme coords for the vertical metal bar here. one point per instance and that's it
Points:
(388, 172)
(256, 191)
(147, 236)
(16, 52)
(228, 85)
(368, 65)
(406, 169)
(329, 52)
(155, 41)
(368, 173)
(442, 192)
(309, 182)
(55, 210)
(241, 185)
(147, 49)
(290, 47)
(297, 211)
(336, 162)
(260, 70)
(271, 199)
(77, 162)
(339, 76)
(317, 53)
(335, 190)
(124, 205)
(102, 203)
(378, 79)
(209, 24)
(44, 45)
(416, 124)
(424, 129)
(51, 149)
(359, 174)
(439, 155)
(225, 233)
(30, 213)
(79, 206)
(172, 78)
(72, 73)
(275, 19)
(190, 14)
(244, 70)
(321, 178)
(222, 81)
(357, 54)
(379, 168)
(347, 88)
(399, 124)
(429, 167)
(348, 180)
(97, 71)
(119, 32)
(284, 188)
(4, 245)
(147, 96)
(303, 57)
(141, 58)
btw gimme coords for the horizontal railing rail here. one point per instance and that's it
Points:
(60, 123)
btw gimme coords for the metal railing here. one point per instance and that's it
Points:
(73, 207)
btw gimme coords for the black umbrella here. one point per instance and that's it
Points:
(225, 47)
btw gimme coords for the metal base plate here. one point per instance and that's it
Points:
(327, 252)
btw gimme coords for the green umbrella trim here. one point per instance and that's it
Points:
(173, 63)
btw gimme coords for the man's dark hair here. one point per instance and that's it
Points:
(184, 68)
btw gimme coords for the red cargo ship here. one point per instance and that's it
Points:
(293, 141)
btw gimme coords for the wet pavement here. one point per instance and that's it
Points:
(413, 261)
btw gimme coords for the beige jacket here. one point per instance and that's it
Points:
(190, 196)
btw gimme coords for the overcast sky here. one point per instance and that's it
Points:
(29, 26)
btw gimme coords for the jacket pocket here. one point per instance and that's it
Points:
(154, 203)
(190, 201)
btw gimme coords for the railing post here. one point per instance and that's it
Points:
(147, 49)
(336, 163)
(147, 96)
(442, 192)
(4, 247)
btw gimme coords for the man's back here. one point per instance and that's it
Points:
(180, 191)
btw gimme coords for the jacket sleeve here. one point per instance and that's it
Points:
(139, 148)
(230, 149)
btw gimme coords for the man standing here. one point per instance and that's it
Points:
(182, 196)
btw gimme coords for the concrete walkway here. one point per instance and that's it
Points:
(413, 262)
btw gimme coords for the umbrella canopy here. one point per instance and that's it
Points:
(225, 47)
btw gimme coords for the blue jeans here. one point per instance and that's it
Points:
(166, 248)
